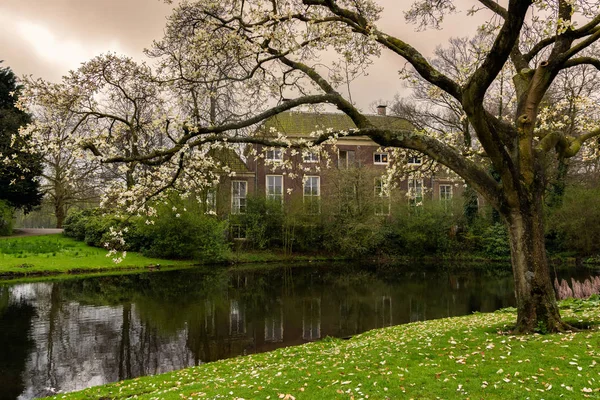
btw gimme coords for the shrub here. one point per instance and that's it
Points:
(425, 230)
(182, 231)
(189, 236)
(575, 225)
(263, 221)
(6, 219)
(495, 241)
(177, 235)
(74, 225)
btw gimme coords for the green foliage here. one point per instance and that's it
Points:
(177, 234)
(183, 235)
(495, 241)
(6, 219)
(57, 254)
(18, 187)
(425, 230)
(575, 225)
(263, 221)
(353, 236)
(41, 245)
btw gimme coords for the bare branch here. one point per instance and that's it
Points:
(573, 62)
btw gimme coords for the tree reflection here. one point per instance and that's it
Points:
(92, 331)
(16, 344)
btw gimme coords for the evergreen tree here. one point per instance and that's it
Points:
(18, 186)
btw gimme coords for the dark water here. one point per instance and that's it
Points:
(79, 333)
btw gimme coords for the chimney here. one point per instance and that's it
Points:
(381, 110)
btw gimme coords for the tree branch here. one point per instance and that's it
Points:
(438, 151)
(573, 62)
(483, 76)
(495, 7)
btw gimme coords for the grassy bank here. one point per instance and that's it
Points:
(464, 357)
(56, 254)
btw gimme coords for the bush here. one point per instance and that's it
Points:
(75, 223)
(189, 236)
(6, 219)
(575, 225)
(425, 230)
(495, 241)
(263, 222)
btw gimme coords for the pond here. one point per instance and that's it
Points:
(69, 335)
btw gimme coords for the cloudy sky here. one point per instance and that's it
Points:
(47, 38)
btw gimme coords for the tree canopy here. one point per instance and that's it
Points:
(18, 168)
(273, 56)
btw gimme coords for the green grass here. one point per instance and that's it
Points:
(56, 254)
(465, 357)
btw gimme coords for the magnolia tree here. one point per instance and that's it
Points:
(270, 56)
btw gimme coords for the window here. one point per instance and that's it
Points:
(414, 160)
(415, 191)
(382, 198)
(445, 192)
(310, 156)
(275, 155)
(239, 190)
(346, 159)
(380, 158)
(312, 193)
(348, 198)
(211, 202)
(275, 188)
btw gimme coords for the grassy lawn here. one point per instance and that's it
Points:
(465, 357)
(56, 254)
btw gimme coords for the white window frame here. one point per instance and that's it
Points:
(274, 155)
(310, 157)
(381, 156)
(414, 160)
(211, 201)
(310, 198)
(236, 203)
(346, 164)
(381, 194)
(450, 192)
(415, 197)
(274, 196)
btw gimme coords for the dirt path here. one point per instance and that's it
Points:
(32, 232)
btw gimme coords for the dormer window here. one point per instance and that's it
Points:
(414, 160)
(275, 155)
(380, 158)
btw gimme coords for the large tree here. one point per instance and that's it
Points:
(18, 167)
(279, 54)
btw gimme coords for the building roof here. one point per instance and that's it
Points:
(229, 158)
(302, 124)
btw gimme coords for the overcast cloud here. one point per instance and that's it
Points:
(47, 38)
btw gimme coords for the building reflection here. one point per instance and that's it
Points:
(311, 319)
(93, 331)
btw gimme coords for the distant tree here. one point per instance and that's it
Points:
(18, 186)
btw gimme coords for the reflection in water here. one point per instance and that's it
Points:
(75, 334)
